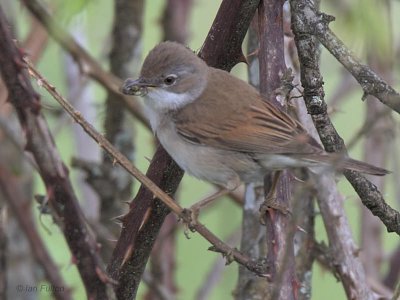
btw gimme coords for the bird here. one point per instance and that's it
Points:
(220, 129)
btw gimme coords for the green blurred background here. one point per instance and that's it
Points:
(360, 27)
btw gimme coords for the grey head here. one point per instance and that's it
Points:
(171, 77)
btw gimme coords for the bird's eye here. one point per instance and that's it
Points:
(170, 79)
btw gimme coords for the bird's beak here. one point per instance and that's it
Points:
(136, 87)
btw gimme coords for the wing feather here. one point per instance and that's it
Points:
(253, 125)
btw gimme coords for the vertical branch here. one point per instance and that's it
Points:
(175, 20)
(278, 225)
(83, 96)
(52, 170)
(253, 240)
(377, 147)
(3, 253)
(304, 238)
(124, 57)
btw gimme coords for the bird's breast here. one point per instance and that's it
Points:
(206, 163)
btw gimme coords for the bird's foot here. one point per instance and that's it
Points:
(271, 204)
(190, 217)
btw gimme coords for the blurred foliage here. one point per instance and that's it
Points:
(363, 25)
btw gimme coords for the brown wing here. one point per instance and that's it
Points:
(252, 125)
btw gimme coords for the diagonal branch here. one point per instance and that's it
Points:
(52, 170)
(316, 23)
(222, 48)
(314, 97)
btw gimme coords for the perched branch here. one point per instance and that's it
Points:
(278, 226)
(17, 203)
(52, 170)
(316, 23)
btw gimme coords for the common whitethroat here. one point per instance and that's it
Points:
(219, 128)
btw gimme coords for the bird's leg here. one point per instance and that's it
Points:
(270, 200)
(195, 208)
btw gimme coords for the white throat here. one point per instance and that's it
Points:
(159, 102)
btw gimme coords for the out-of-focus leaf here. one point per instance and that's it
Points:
(68, 9)
(363, 25)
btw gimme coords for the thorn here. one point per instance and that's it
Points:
(242, 58)
(229, 257)
(301, 229)
(145, 218)
(104, 277)
(119, 219)
(187, 231)
(74, 261)
(213, 249)
(127, 255)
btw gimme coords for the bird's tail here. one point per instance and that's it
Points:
(362, 167)
(341, 162)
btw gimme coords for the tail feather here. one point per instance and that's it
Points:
(362, 167)
(340, 162)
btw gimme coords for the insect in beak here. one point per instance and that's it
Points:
(138, 87)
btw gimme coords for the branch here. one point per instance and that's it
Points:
(317, 108)
(22, 212)
(223, 45)
(52, 170)
(316, 23)
(124, 62)
(279, 226)
(349, 267)
(3, 255)
(175, 20)
(87, 63)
